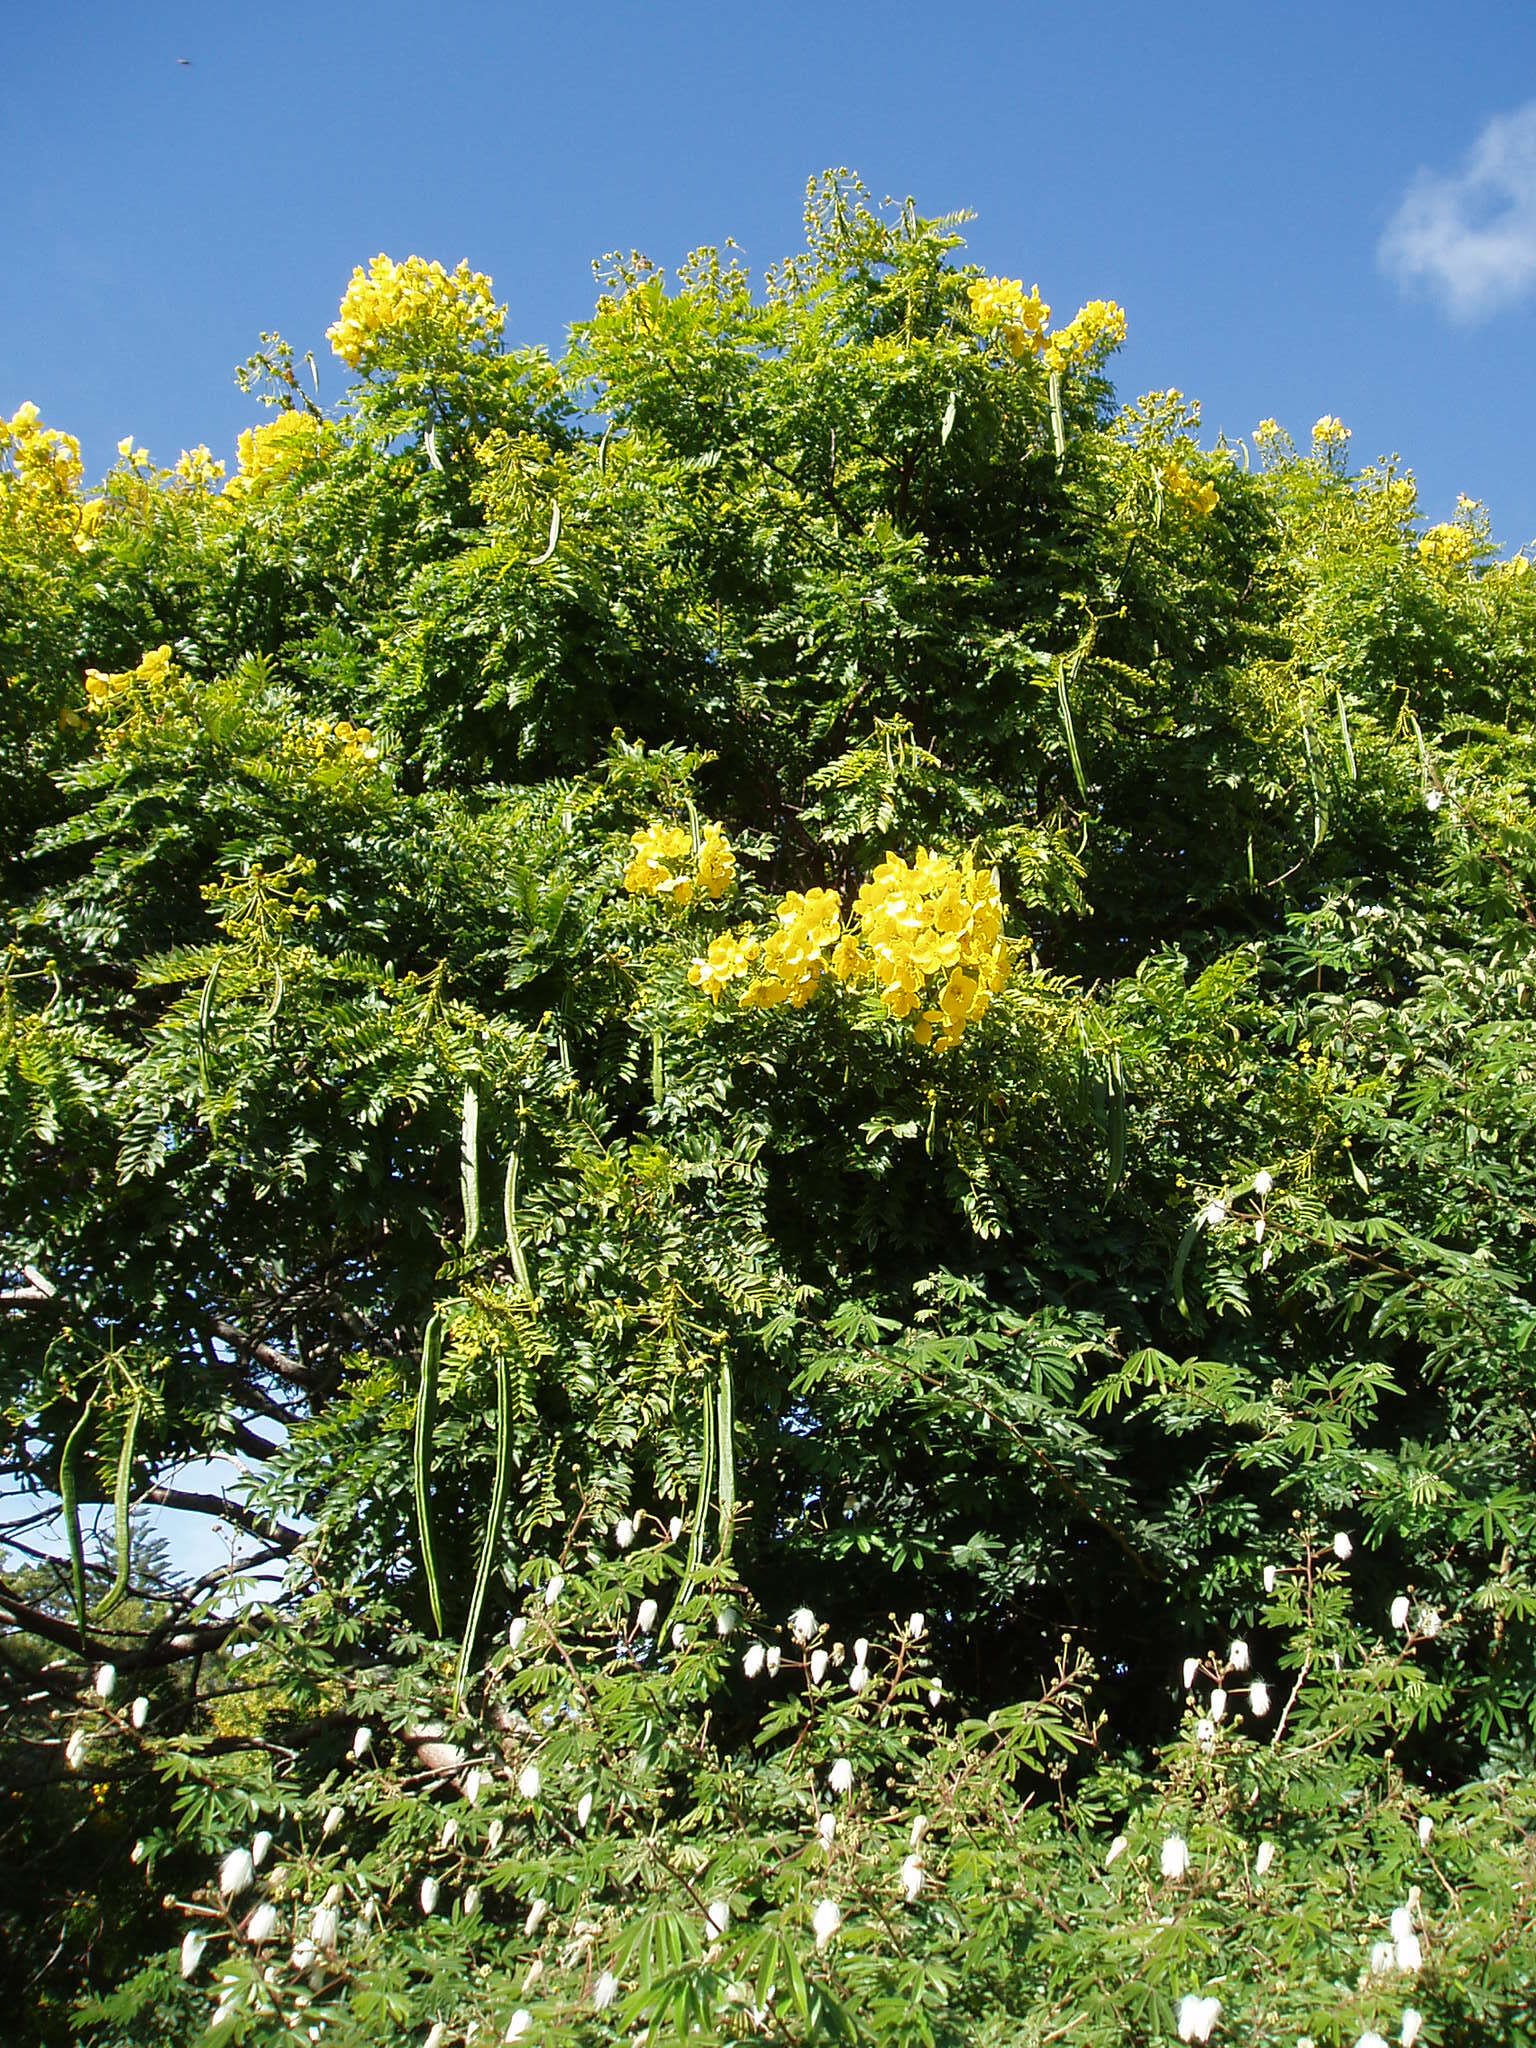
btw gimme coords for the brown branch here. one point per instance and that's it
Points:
(236, 1512)
(264, 1354)
(172, 1648)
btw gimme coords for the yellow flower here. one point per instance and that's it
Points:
(1329, 433)
(717, 863)
(1188, 493)
(1088, 337)
(1267, 432)
(1449, 547)
(415, 301)
(796, 955)
(658, 850)
(197, 467)
(44, 462)
(728, 959)
(273, 450)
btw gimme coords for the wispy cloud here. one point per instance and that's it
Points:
(1470, 235)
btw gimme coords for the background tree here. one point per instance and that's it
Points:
(823, 1053)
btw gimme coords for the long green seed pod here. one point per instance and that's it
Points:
(1116, 1108)
(492, 1543)
(1070, 731)
(204, 1021)
(1349, 750)
(701, 1508)
(426, 1410)
(658, 1071)
(509, 1211)
(1058, 421)
(121, 1495)
(726, 1456)
(469, 1165)
(69, 1501)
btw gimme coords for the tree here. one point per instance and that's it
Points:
(823, 1053)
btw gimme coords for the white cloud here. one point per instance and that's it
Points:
(1470, 235)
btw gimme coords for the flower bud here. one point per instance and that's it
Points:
(192, 1946)
(138, 1713)
(529, 1783)
(646, 1618)
(237, 1873)
(430, 1893)
(262, 1925)
(106, 1681)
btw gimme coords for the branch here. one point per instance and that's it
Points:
(264, 1354)
(236, 1512)
(174, 1649)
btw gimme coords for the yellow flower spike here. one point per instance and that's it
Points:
(717, 863)
(416, 301)
(728, 959)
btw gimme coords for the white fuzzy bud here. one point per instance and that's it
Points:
(861, 1650)
(1412, 2021)
(529, 1783)
(1343, 1549)
(752, 1663)
(772, 1661)
(1264, 1859)
(826, 1827)
(1191, 1666)
(450, 1833)
(802, 1625)
(192, 1946)
(826, 1920)
(332, 1822)
(840, 1777)
(324, 1929)
(605, 1991)
(1198, 2017)
(1383, 1958)
(554, 1588)
(818, 1666)
(1258, 1698)
(717, 1918)
(911, 1879)
(725, 1622)
(1219, 1703)
(646, 1617)
(237, 1873)
(1397, 1613)
(138, 1713)
(1205, 1734)
(1175, 1858)
(362, 1742)
(1237, 1656)
(106, 1681)
(261, 1847)
(518, 2025)
(583, 1809)
(430, 1894)
(537, 1914)
(1427, 1622)
(679, 1636)
(74, 1749)
(1270, 1575)
(1116, 1851)
(472, 1786)
(1263, 1181)
(262, 1925)
(472, 1902)
(624, 1532)
(1213, 1215)
(517, 1628)
(493, 1835)
(1426, 1829)
(917, 1626)
(858, 1678)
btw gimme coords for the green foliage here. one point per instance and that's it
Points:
(811, 1392)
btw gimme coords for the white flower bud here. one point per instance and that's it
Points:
(554, 1589)
(840, 1777)
(826, 1920)
(450, 1833)
(1412, 2021)
(302, 1958)
(1213, 1215)
(537, 1913)
(917, 1627)
(472, 1786)
(752, 1663)
(1434, 800)
(106, 1681)
(1175, 1858)
(604, 1991)
(773, 1660)
(1426, 1829)
(826, 1827)
(1258, 1230)
(437, 2034)
(529, 1783)
(624, 1532)
(74, 1749)
(1237, 1656)
(583, 1809)
(725, 1622)
(1383, 1958)
(430, 1894)
(802, 1625)
(192, 1946)
(1198, 2017)
(1258, 1699)
(858, 1678)
(1205, 1734)
(717, 1918)
(911, 1879)
(1264, 1859)
(237, 1873)
(1343, 1549)
(1270, 1575)
(861, 1650)
(1263, 1181)
(518, 2025)
(646, 1617)
(1427, 1622)
(472, 1902)
(1398, 1612)
(261, 1847)
(1191, 1666)
(332, 1822)
(262, 1925)
(675, 1527)
(935, 1694)
(324, 1929)
(679, 1636)
(493, 1835)
(1219, 1703)
(517, 1628)
(1116, 1851)
(362, 1742)
(138, 1852)
(138, 1713)
(818, 1666)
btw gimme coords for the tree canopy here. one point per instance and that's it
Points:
(815, 1051)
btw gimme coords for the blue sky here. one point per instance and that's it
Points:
(1236, 176)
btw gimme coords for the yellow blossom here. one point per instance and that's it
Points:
(274, 450)
(43, 462)
(1188, 493)
(1088, 337)
(1329, 433)
(796, 954)
(1267, 432)
(1451, 546)
(197, 467)
(659, 850)
(416, 302)
(717, 863)
(728, 959)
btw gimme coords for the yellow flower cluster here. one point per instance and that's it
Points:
(1188, 493)
(799, 950)
(1268, 432)
(274, 449)
(927, 938)
(197, 468)
(662, 852)
(416, 301)
(1449, 547)
(1329, 433)
(103, 690)
(42, 460)
(136, 458)
(1021, 320)
(340, 738)
(1088, 336)
(1001, 304)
